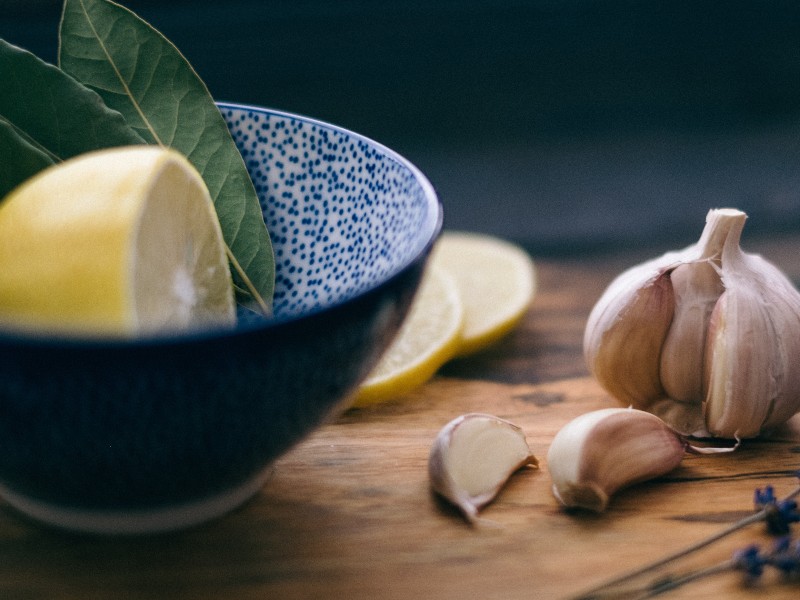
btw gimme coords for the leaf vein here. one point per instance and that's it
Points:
(118, 74)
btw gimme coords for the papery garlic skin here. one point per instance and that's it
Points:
(707, 338)
(473, 456)
(600, 452)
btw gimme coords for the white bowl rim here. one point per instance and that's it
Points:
(10, 338)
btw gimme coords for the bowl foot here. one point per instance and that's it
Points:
(135, 521)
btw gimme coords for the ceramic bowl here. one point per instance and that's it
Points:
(164, 433)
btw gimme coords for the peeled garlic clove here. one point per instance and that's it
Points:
(473, 456)
(720, 362)
(600, 452)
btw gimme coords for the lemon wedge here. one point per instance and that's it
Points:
(428, 338)
(496, 280)
(119, 242)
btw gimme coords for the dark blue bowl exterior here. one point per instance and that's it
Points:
(151, 425)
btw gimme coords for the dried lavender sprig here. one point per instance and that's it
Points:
(784, 556)
(777, 515)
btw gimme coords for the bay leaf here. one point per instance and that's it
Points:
(46, 116)
(20, 158)
(140, 73)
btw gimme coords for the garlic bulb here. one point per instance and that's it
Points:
(473, 456)
(602, 451)
(707, 338)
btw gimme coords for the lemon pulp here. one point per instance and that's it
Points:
(121, 241)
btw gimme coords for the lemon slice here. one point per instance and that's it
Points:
(428, 338)
(119, 242)
(496, 281)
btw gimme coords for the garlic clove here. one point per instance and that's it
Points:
(753, 376)
(472, 458)
(600, 452)
(696, 286)
(625, 333)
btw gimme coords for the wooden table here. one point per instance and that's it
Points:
(348, 513)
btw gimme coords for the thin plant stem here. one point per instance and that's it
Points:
(262, 304)
(597, 592)
(671, 583)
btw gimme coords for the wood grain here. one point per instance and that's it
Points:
(348, 512)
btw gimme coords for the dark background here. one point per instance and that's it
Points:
(566, 125)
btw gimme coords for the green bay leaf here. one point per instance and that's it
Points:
(140, 73)
(46, 116)
(20, 158)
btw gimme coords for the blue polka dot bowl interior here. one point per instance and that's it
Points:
(162, 433)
